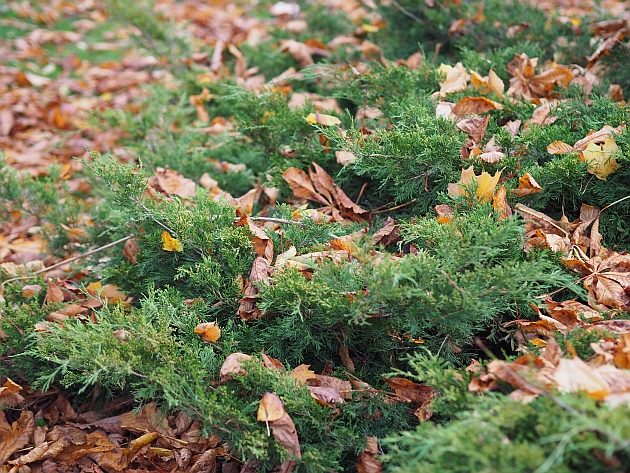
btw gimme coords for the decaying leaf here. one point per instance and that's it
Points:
(233, 366)
(170, 183)
(527, 84)
(490, 83)
(318, 186)
(527, 185)
(19, 436)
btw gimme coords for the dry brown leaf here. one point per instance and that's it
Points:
(573, 375)
(270, 408)
(490, 83)
(170, 183)
(131, 250)
(368, 461)
(344, 388)
(500, 203)
(475, 128)
(302, 374)
(475, 106)
(247, 309)
(529, 85)
(19, 436)
(345, 157)
(527, 185)
(456, 78)
(233, 366)
(409, 391)
(622, 352)
(325, 396)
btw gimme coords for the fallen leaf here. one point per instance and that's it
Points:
(171, 244)
(208, 331)
(527, 185)
(456, 78)
(573, 375)
(490, 83)
(529, 85)
(233, 366)
(368, 461)
(19, 436)
(170, 183)
(475, 106)
(270, 408)
(486, 184)
(600, 158)
(322, 119)
(302, 374)
(500, 203)
(345, 157)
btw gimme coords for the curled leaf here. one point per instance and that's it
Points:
(322, 119)
(208, 331)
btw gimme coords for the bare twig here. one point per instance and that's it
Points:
(276, 220)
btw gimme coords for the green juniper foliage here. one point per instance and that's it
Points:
(411, 309)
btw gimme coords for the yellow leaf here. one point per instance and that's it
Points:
(171, 244)
(208, 331)
(600, 157)
(270, 408)
(486, 184)
(322, 119)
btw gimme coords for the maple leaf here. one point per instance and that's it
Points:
(171, 244)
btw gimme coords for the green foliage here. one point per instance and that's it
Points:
(564, 434)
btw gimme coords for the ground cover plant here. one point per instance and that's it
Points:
(314, 236)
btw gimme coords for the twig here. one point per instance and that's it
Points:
(276, 220)
(395, 207)
(406, 12)
(614, 203)
(69, 260)
(361, 191)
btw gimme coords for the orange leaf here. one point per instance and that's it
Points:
(171, 244)
(208, 331)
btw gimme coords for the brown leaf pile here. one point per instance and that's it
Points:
(55, 437)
